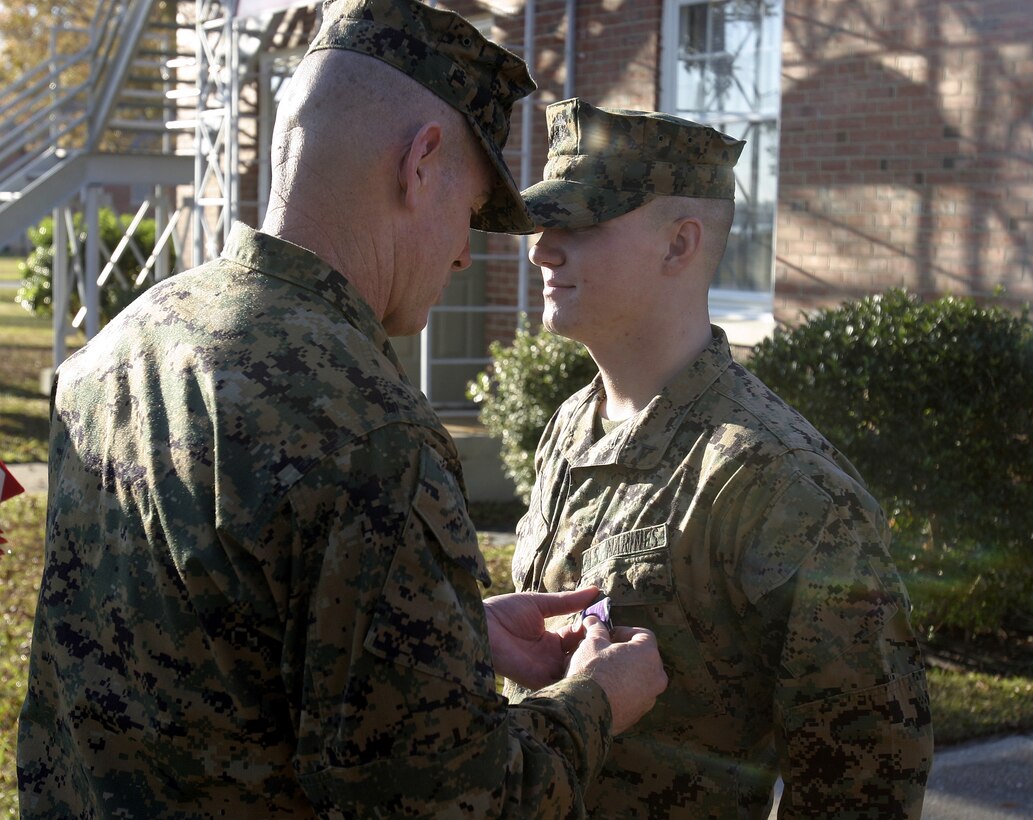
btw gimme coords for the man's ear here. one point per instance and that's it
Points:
(684, 241)
(419, 161)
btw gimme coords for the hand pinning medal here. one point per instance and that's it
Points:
(601, 610)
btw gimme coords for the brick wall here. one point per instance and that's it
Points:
(906, 151)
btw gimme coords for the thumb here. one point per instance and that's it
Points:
(595, 630)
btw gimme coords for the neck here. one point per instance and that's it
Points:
(348, 244)
(636, 372)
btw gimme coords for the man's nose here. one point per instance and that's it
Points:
(545, 251)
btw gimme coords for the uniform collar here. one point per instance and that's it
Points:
(643, 439)
(284, 260)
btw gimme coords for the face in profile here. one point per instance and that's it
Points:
(596, 280)
(438, 236)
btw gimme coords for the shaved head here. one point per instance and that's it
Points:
(342, 113)
(379, 177)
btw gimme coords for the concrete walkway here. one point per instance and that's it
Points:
(983, 780)
(988, 780)
(33, 477)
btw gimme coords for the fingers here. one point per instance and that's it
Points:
(564, 603)
(595, 630)
(627, 665)
(570, 639)
(623, 634)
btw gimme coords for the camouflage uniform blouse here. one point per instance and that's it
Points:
(261, 589)
(719, 518)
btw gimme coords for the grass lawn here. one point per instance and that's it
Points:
(968, 705)
(9, 268)
(21, 564)
(26, 343)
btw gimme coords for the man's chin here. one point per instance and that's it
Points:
(399, 327)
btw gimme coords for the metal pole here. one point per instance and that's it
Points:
(526, 124)
(265, 133)
(568, 50)
(161, 221)
(200, 151)
(232, 122)
(59, 286)
(92, 291)
(425, 342)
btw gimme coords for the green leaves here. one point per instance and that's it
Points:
(933, 402)
(524, 385)
(35, 293)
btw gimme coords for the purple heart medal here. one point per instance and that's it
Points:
(601, 610)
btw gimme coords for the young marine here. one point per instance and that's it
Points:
(706, 508)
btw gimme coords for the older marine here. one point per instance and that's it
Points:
(261, 595)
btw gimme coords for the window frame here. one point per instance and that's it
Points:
(746, 315)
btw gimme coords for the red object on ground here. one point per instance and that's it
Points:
(9, 487)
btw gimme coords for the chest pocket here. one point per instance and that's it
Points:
(430, 615)
(635, 569)
(531, 533)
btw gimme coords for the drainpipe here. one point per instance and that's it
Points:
(526, 131)
(568, 50)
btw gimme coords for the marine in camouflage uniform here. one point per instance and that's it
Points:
(721, 519)
(261, 592)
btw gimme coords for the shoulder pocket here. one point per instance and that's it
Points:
(792, 527)
(441, 505)
(430, 614)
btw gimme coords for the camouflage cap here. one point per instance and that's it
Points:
(447, 55)
(603, 163)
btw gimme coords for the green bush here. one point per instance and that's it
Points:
(933, 402)
(35, 293)
(520, 391)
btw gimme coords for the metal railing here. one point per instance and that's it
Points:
(59, 119)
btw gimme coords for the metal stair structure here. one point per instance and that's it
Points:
(96, 113)
(153, 93)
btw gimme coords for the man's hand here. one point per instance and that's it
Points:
(626, 663)
(522, 648)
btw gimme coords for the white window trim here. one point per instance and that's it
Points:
(746, 316)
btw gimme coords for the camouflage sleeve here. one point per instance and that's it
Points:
(386, 653)
(853, 723)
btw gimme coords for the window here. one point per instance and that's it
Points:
(722, 67)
